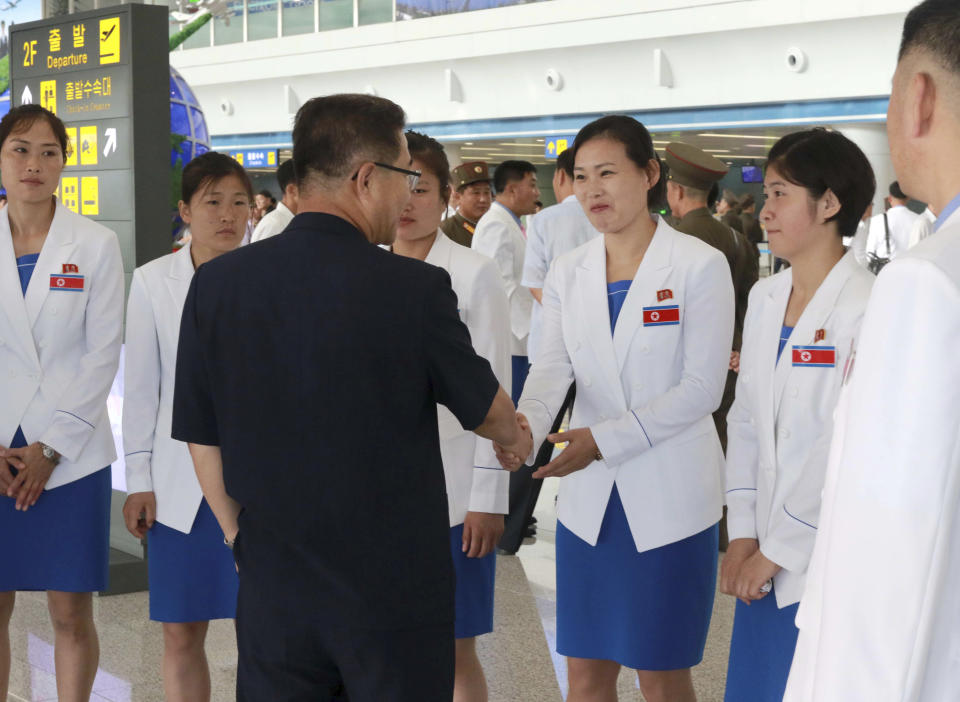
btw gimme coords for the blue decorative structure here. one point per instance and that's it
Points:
(186, 121)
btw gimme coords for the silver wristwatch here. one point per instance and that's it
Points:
(49, 453)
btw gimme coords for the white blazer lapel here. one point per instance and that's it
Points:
(775, 308)
(53, 254)
(180, 274)
(594, 317)
(439, 254)
(814, 317)
(650, 276)
(14, 305)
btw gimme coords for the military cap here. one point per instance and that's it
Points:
(693, 167)
(470, 172)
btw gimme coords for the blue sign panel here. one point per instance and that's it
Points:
(555, 145)
(256, 158)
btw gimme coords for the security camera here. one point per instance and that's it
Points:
(796, 60)
(554, 79)
(226, 107)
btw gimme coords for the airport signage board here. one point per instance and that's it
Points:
(555, 145)
(256, 158)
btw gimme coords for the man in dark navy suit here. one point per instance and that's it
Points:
(309, 369)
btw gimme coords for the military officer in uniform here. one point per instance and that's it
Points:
(691, 174)
(472, 182)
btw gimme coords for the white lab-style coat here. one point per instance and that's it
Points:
(900, 221)
(646, 392)
(498, 236)
(922, 227)
(475, 480)
(550, 234)
(156, 462)
(60, 347)
(780, 425)
(880, 612)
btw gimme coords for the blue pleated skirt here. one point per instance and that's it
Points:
(62, 542)
(475, 579)
(647, 611)
(192, 576)
(761, 651)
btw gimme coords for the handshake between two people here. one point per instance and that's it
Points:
(581, 451)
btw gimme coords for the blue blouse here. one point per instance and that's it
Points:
(616, 294)
(785, 333)
(25, 266)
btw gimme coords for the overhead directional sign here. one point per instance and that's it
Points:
(555, 145)
(83, 67)
(256, 158)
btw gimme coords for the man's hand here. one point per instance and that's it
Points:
(735, 361)
(580, 452)
(35, 471)
(140, 512)
(754, 573)
(481, 533)
(512, 457)
(738, 552)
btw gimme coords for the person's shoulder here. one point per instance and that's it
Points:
(691, 247)
(569, 260)
(88, 229)
(940, 251)
(159, 267)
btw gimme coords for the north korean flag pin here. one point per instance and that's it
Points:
(70, 268)
(820, 335)
(664, 295)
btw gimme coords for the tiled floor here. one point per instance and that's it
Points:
(519, 656)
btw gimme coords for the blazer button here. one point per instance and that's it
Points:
(645, 349)
(53, 310)
(745, 377)
(794, 392)
(587, 382)
(576, 345)
(785, 434)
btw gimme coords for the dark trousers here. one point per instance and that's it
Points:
(287, 653)
(525, 489)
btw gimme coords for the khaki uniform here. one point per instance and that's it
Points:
(459, 228)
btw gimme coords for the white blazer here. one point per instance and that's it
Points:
(646, 392)
(475, 480)
(498, 236)
(879, 616)
(156, 462)
(60, 345)
(780, 425)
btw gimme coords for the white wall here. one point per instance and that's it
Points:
(719, 53)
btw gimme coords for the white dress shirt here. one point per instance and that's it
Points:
(900, 220)
(272, 223)
(550, 234)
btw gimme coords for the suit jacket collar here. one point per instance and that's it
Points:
(441, 251)
(507, 211)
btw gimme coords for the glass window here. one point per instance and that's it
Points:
(224, 33)
(200, 38)
(375, 11)
(297, 17)
(262, 19)
(336, 14)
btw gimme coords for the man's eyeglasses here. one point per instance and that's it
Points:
(413, 177)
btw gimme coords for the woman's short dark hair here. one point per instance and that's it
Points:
(637, 142)
(430, 153)
(20, 119)
(332, 133)
(208, 168)
(821, 160)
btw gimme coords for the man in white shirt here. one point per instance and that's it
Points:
(879, 617)
(500, 237)
(923, 227)
(899, 221)
(551, 233)
(275, 222)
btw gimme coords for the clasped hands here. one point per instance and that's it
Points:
(580, 452)
(745, 570)
(33, 472)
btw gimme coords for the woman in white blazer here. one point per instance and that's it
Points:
(477, 486)
(799, 337)
(60, 327)
(642, 320)
(192, 575)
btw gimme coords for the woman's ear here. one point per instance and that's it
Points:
(829, 205)
(653, 171)
(184, 211)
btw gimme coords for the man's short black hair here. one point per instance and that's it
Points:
(511, 172)
(821, 160)
(286, 175)
(934, 26)
(335, 133)
(565, 162)
(897, 192)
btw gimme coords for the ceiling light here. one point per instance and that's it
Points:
(757, 146)
(740, 136)
(717, 151)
